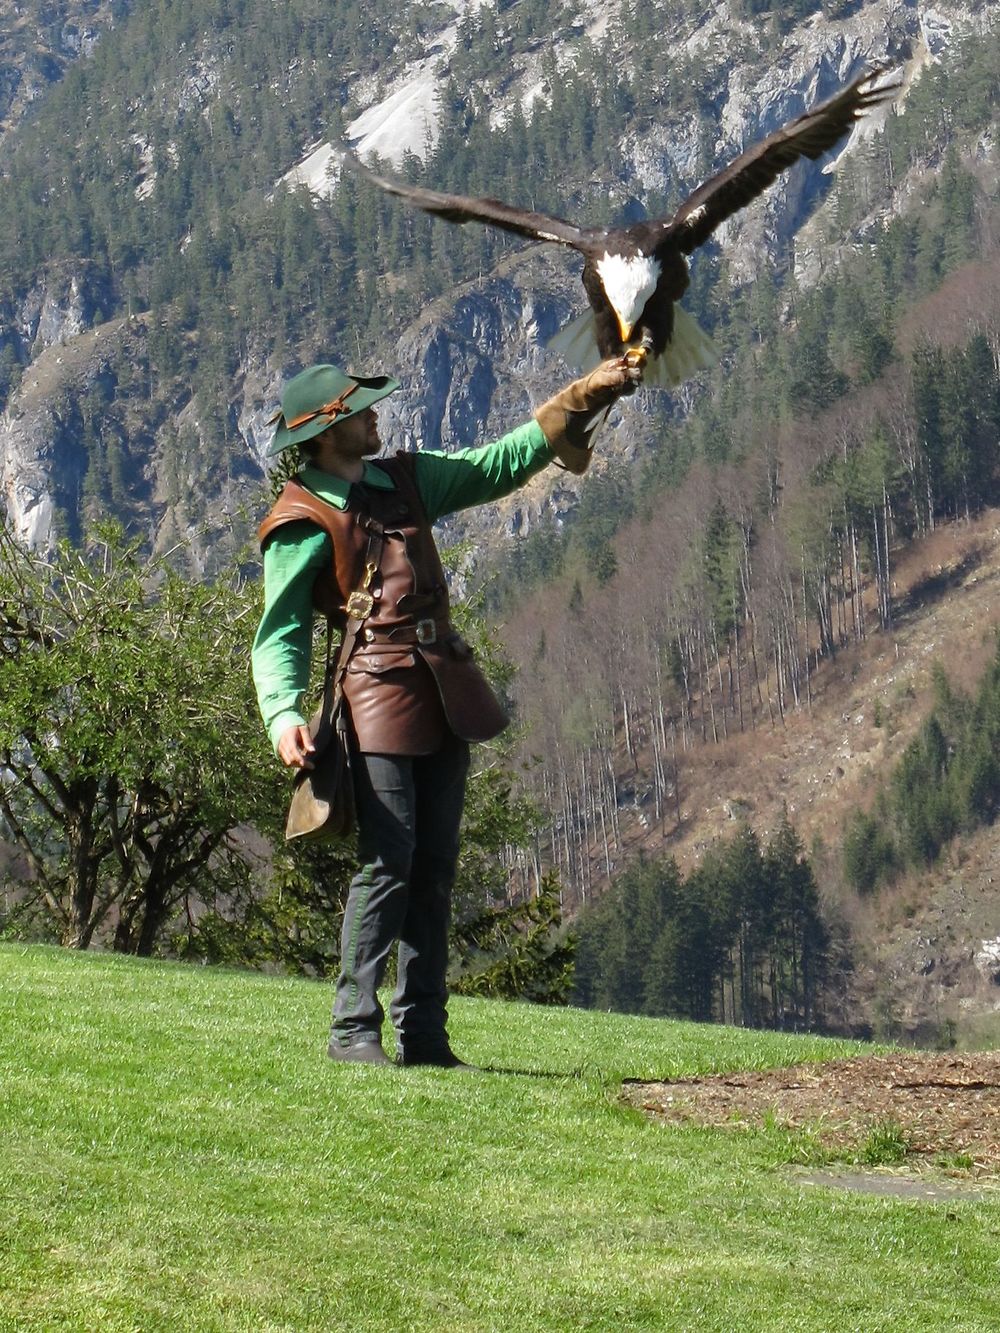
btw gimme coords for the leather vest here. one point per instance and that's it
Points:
(411, 677)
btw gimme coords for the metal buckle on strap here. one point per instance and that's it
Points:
(359, 605)
(426, 631)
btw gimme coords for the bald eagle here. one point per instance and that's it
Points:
(635, 275)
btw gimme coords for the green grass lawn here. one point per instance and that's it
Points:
(176, 1152)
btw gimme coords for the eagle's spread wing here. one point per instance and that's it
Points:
(465, 208)
(811, 135)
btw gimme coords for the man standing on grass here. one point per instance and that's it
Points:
(347, 529)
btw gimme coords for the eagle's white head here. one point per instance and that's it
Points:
(629, 281)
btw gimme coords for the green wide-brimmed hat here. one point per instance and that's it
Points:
(318, 397)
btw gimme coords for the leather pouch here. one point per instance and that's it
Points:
(473, 711)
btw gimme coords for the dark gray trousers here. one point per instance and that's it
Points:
(409, 811)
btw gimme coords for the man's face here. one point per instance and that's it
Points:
(353, 438)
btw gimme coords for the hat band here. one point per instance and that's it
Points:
(331, 409)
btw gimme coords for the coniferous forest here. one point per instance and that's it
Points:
(740, 939)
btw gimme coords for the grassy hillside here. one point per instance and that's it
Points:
(178, 1154)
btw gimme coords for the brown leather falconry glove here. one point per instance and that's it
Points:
(571, 417)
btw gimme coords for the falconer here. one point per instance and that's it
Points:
(416, 699)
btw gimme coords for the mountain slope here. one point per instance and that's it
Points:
(39, 41)
(189, 117)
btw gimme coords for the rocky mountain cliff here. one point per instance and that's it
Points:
(474, 362)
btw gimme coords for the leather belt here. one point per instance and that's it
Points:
(423, 632)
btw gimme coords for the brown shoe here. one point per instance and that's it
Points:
(367, 1052)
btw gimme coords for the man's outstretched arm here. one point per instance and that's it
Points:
(560, 429)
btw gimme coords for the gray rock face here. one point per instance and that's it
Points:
(43, 460)
(475, 363)
(936, 28)
(70, 302)
(987, 961)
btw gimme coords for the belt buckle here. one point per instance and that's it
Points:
(426, 631)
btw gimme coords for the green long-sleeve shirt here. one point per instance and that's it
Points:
(296, 552)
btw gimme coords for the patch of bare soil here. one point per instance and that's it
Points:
(945, 1105)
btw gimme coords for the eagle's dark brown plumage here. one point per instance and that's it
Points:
(634, 275)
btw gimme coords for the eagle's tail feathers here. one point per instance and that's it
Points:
(689, 350)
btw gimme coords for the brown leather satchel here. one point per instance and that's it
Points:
(322, 805)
